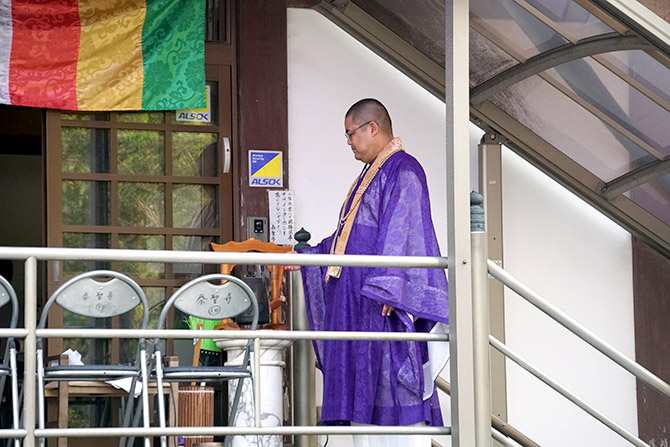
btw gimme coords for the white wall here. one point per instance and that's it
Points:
(582, 262)
(553, 241)
(327, 72)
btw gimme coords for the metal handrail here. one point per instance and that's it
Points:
(507, 442)
(579, 330)
(497, 344)
(502, 432)
(30, 333)
(243, 335)
(586, 335)
(15, 333)
(201, 257)
(226, 431)
(9, 433)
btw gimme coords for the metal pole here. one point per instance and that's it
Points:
(490, 186)
(480, 323)
(628, 436)
(203, 257)
(257, 382)
(15, 393)
(304, 408)
(145, 393)
(507, 442)
(30, 351)
(8, 433)
(458, 187)
(246, 431)
(240, 335)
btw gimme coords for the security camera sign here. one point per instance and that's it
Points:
(265, 169)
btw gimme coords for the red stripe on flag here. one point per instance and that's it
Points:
(45, 48)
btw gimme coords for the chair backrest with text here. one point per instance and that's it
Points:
(87, 296)
(212, 301)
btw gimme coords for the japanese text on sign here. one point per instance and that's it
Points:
(281, 224)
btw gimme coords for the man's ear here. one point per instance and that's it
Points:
(374, 127)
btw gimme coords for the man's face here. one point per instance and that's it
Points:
(360, 140)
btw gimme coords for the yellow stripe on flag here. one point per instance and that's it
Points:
(271, 169)
(110, 72)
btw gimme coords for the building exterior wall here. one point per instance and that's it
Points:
(652, 336)
(582, 262)
(553, 241)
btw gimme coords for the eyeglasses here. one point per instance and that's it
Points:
(348, 134)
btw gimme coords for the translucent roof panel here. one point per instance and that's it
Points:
(420, 24)
(571, 17)
(654, 196)
(486, 59)
(570, 128)
(644, 69)
(608, 112)
(516, 27)
(579, 87)
(617, 100)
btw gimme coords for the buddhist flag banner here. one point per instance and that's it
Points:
(103, 54)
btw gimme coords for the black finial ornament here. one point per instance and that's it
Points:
(302, 236)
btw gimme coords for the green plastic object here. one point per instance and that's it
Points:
(207, 343)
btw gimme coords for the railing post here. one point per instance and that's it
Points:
(480, 322)
(457, 133)
(490, 186)
(30, 349)
(304, 406)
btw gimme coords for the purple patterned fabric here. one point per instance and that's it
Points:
(380, 382)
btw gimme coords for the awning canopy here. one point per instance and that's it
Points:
(580, 88)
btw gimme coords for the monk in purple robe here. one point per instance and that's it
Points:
(387, 212)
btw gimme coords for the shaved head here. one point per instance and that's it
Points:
(369, 109)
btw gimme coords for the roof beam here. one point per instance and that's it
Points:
(572, 176)
(553, 58)
(634, 178)
(638, 18)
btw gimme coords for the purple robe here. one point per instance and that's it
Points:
(380, 382)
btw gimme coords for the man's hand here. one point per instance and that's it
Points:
(386, 310)
(292, 268)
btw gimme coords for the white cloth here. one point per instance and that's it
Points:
(391, 440)
(438, 356)
(74, 357)
(125, 384)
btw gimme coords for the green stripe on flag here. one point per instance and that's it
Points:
(173, 47)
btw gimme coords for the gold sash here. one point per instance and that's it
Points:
(346, 221)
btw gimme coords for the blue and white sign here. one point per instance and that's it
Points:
(265, 169)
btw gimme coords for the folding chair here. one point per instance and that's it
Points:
(86, 295)
(200, 298)
(8, 366)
